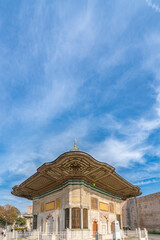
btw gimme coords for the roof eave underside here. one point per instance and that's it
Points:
(75, 165)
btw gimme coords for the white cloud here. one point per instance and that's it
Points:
(20, 203)
(154, 5)
(62, 44)
(118, 153)
(66, 41)
(148, 181)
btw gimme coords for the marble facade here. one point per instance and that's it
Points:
(50, 209)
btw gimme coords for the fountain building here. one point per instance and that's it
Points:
(76, 192)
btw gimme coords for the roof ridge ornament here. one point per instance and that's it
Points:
(75, 143)
(75, 146)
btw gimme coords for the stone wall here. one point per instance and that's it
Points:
(143, 212)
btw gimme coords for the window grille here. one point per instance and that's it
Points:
(85, 218)
(76, 218)
(66, 218)
(34, 221)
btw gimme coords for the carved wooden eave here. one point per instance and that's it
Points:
(75, 165)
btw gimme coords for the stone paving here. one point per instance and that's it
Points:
(154, 236)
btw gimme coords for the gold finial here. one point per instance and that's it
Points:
(75, 143)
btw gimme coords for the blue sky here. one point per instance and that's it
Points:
(86, 69)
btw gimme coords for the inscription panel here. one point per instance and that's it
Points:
(103, 206)
(50, 206)
(58, 203)
(42, 208)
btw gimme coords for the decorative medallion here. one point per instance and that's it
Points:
(75, 167)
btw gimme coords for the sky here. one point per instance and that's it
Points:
(79, 69)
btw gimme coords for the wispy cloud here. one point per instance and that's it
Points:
(20, 203)
(118, 153)
(154, 5)
(79, 70)
(148, 181)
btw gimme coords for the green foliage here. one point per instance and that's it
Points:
(8, 214)
(126, 228)
(2, 222)
(154, 232)
(20, 221)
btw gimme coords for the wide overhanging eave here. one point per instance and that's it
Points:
(57, 172)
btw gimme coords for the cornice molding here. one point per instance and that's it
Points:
(77, 182)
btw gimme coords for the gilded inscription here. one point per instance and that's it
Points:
(58, 203)
(104, 206)
(50, 206)
(42, 207)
